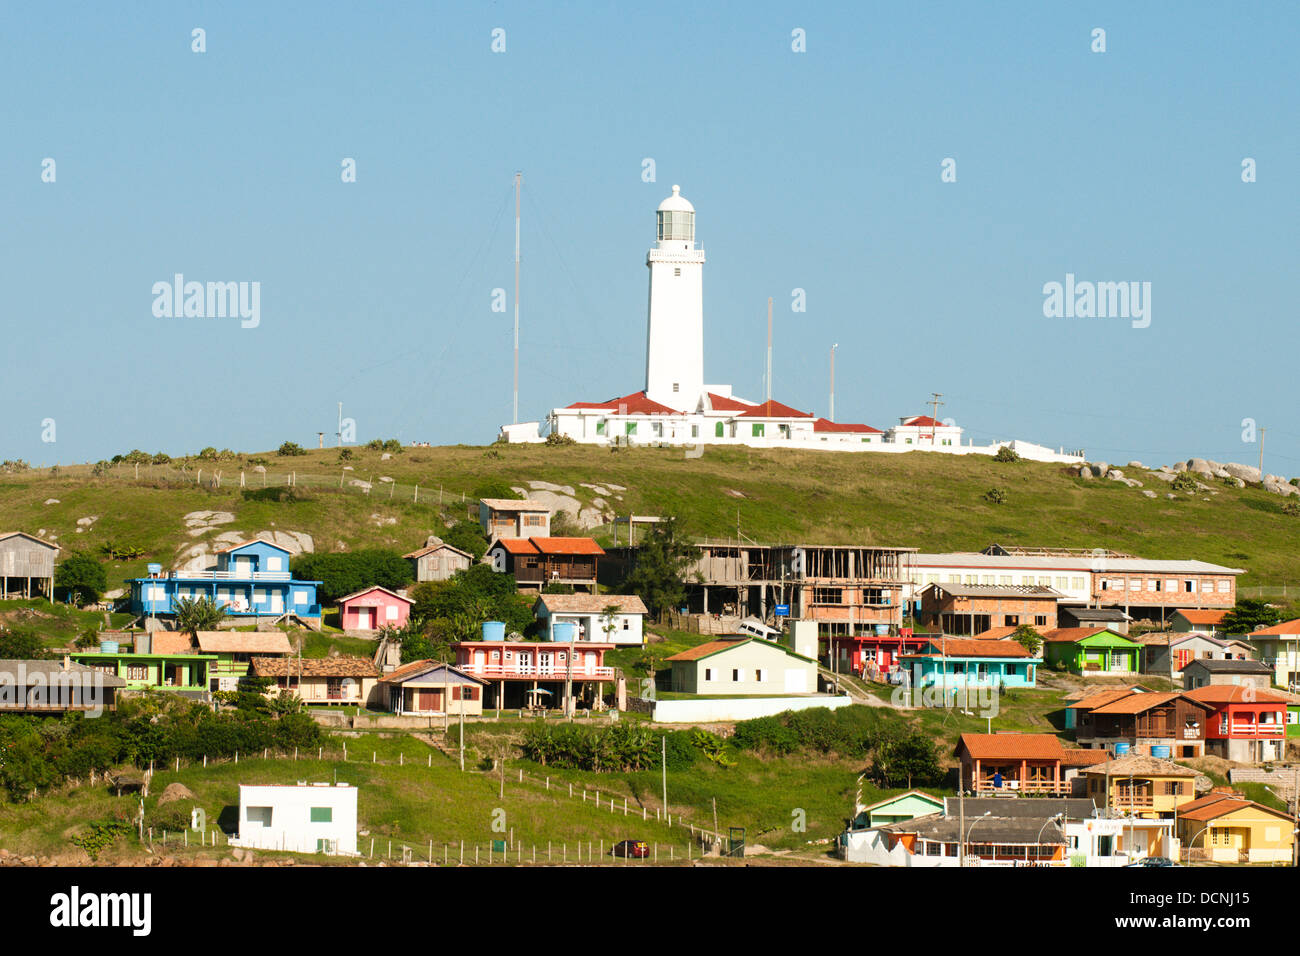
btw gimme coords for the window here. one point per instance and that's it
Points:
(759, 675)
(322, 814)
(468, 692)
(695, 431)
(717, 430)
(738, 675)
(1004, 579)
(757, 431)
(627, 624)
(677, 270)
(274, 563)
(137, 672)
(300, 597)
(1135, 584)
(1040, 620)
(1171, 585)
(600, 428)
(1225, 587)
(631, 428)
(1011, 620)
(676, 387)
(828, 595)
(1189, 586)
(259, 815)
(1153, 585)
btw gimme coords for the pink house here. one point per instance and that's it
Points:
(372, 608)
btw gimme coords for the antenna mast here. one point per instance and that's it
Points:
(519, 179)
(769, 350)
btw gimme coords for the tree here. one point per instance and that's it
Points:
(83, 576)
(21, 644)
(607, 622)
(468, 536)
(198, 614)
(1027, 638)
(659, 574)
(345, 572)
(1249, 614)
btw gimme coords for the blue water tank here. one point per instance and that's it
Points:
(494, 631)
(1121, 749)
(1161, 751)
(564, 631)
(108, 647)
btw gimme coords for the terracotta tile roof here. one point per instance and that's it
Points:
(1079, 757)
(923, 421)
(516, 545)
(772, 409)
(720, 403)
(971, 647)
(635, 404)
(707, 648)
(826, 425)
(1140, 765)
(1199, 616)
(244, 642)
(1215, 805)
(375, 587)
(1234, 694)
(1135, 703)
(1012, 746)
(1286, 627)
(1068, 635)
(567, 546)
(314, 667)
(995, 634)
(418, 668)
(170, 642)
(1101, 698)
(592, 603)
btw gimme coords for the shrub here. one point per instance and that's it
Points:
(83, 577)
(290, 448)
(1184, 481)
(996, 496)
(1291, 508)
(1006, 453)
(556, 438)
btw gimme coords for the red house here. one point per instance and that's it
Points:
(1247, 724)
(873, 656)
(372, 608)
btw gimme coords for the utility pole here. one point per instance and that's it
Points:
(934, 417)
(519, 181)
(1261, 453)
(768, 390)
(833, 348)
(339, 434)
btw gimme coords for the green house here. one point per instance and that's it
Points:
(898, 809)
(1091, 651)
(184, 673)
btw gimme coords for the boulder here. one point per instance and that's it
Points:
(1085, 472)
(1200, 466)
(1135, 464)
(1165, 469)
(1180, 466)
(1115, 475)
(1280, 487)
(1099, 469)
(1150, 494)
(1165, 476)
(1245, 472)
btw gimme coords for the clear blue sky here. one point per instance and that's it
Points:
(816, 170)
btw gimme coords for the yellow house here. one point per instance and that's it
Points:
(1147, 787)
(1227, 828)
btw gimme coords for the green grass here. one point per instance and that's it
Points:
(783, 496)
(58, 624)
(321, 644)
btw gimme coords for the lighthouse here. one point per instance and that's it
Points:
(674, 366)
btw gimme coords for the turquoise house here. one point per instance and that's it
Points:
(252, 579)
(899, 809)
(957, 662)
(1091, 651)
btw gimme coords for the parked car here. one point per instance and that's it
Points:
(1153, 861)
(633, 848)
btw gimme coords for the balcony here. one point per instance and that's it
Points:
(1253, 730)
(214, 575)
(527, 672)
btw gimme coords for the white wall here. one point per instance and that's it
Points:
(291, 827)
(719, 708)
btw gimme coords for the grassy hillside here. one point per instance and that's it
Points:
(924, 500)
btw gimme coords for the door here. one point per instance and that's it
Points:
(277, 602)
(366, 618)
(426, 700)
(243, 567)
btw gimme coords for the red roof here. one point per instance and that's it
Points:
(721, 404)
(924, 421)
(995, 634)
(1068, 635)
(567, 546)
(826, 425)
(772, 409)
(634, 404)
(517, 545)
(1234, 694)
(974, 647)
(1286, 627)
(1012, 746)
(1199, 616)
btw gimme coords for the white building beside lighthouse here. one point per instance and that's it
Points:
(676, 407)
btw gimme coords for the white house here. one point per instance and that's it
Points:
(625, 625)
(923, 431)
(306, 818)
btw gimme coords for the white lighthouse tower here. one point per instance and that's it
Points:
(674, 365)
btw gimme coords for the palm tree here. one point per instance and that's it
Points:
(198, 614)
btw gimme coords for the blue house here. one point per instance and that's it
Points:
(971, 662)
(252, 579)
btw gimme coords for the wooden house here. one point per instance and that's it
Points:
(26, 565)
(1156, 724)
(1025, 764)
(56, 687)
(538, 562)
(438, 561)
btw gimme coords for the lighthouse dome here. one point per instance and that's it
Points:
(676, 202)
(676, 218)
